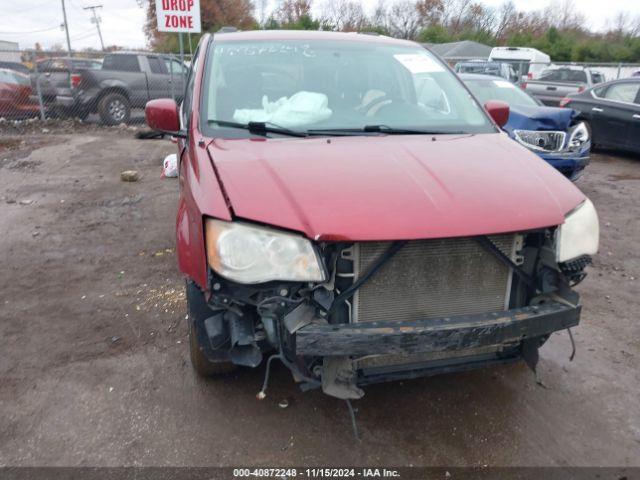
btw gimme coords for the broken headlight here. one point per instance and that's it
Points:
(541, 140)
(579, 234)
(578, 136)
(246, 253)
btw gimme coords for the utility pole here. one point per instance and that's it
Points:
(66, 29)
(97, 21)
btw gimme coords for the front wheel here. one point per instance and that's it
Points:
(114, 108)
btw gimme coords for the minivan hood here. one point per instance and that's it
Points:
(392, 187)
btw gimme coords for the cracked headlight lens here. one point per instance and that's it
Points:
(579, 234)
(578, 135)
(246, 253)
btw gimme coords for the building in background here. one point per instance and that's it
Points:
(9, 51)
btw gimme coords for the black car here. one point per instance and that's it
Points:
(612, 112)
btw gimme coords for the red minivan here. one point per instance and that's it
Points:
(348, 208)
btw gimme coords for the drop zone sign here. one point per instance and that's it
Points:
(178, 16)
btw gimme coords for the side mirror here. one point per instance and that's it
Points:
(499, 111)
(162, 115)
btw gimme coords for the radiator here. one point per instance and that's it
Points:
(432, 278)
(429, 279)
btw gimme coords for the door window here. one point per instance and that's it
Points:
(175, 67)
(622, 92)
(156, 65)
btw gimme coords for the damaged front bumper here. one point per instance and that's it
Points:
(571, 163)
(472, 341)
(436, 334)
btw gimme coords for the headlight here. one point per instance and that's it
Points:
(578, 136)
(541, 140)
(249, 254)
(579, 234)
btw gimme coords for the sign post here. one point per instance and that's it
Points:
(179, 16)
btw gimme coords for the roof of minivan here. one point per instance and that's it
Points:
(266, 35)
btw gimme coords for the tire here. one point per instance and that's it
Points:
(114, 109)
(198, 312)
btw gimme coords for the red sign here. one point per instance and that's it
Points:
(178, 16)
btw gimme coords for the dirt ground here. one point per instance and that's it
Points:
(94, 366)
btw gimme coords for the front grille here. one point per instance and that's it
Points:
(432, 278)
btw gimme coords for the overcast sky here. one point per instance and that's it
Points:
(29, 21)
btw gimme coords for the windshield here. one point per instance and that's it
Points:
(486, 90)
(335, 85)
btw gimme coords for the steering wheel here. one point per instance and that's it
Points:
(371, 108)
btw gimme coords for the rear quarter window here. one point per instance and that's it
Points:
(122, 63)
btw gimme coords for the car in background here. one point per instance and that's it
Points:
(611, 112)
(362, 220)
(16, 67)
(56, 76)
(557, 82)
(124, 81)
(484, 67)
(16, 99)
(554, 134)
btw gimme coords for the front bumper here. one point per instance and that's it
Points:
(570, 163)
(437, 334)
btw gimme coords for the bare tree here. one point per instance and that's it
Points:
(262, 10)
(404, 19)
(379, 17)
(456, 13)
(343, 15)
(564, 15)
(291, 11)
(430, 12)
(506, 18)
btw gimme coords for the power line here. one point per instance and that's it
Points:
(83, 33)
(33, 31)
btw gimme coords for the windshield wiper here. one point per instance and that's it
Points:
(380, 129)
(260, 128)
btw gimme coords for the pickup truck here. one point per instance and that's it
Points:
(556, 83)
(125, 81)
(55, 77)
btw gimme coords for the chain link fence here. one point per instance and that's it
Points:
(102, 88)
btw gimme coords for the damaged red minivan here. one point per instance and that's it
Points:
(349, 209)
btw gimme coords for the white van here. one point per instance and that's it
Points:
(528, 62)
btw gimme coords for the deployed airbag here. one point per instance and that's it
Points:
(302, 108)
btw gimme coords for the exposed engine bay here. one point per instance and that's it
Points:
(398, 309)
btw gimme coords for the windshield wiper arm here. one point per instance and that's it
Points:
(379, 129)
(405, 131)
(259, 128)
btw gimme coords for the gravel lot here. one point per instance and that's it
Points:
(94, 366)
